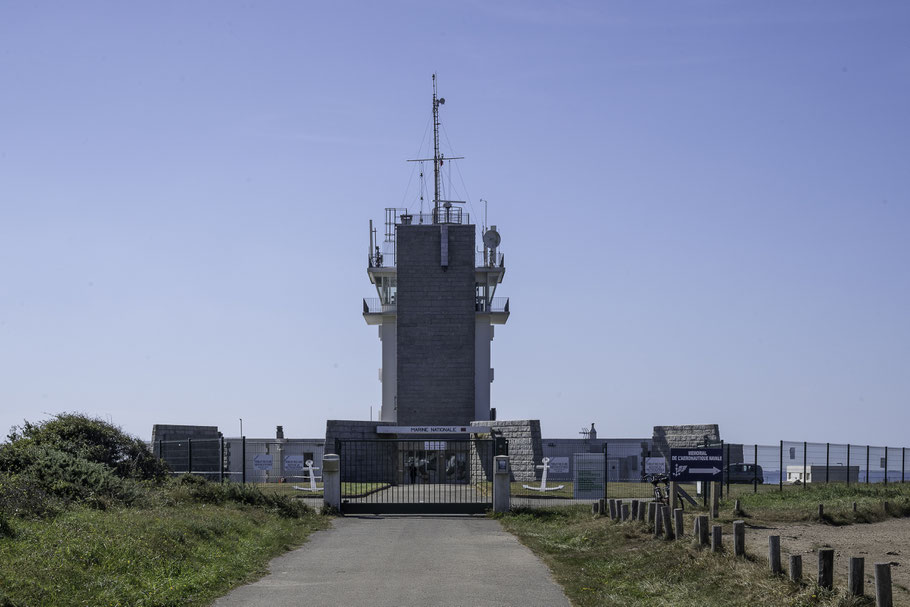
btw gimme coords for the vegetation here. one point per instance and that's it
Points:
(801, 504)
(88, 516)
(599, 563)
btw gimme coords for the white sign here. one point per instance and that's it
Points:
(432, 429)
(293, 462)
(589, 476)
(559, 465)
(655, 465)
(262, 461)
(434, 445)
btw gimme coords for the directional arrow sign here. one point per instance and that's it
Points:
(696, 464)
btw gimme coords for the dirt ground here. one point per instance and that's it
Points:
(888, 541)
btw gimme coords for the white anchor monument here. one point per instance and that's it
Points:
(313, 477)
(543, 478)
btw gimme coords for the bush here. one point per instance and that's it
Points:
(90, 439)
(196, 489)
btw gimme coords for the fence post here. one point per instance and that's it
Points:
(727, 469)
(501, 490)
(826, 568)
(774, 553)
(331, 481)
(886, 465)
(720, 487)
(606, 470)
(827, 462)
(243, 460)
(883, 596)
(780, 480)
(796, 567)
(855, 575)
(739, 538)
(221, 462)
(717, 538)
(805, 464)
(189, 452)
(903, 461)
(755, 470)
(848, 466)
(867, 464)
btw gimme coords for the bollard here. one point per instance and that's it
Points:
(678, 522)
(659, 521)
(595, 508)
(702, 530)
(739, 538)
(613, 510)
(854, 506)
(601, 506)
(883, 585)
(634, 510)
(796, 568)
(774, 553)
(652, 508)
(715, 499)
(821, 511)
(668, 527)
(331, 481)
(826, 568)
(855, 575)
(641, 511)
(625, 512)
(736, 507)
(717, 538)
(695, 526)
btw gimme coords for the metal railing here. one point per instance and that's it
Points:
(374, 305)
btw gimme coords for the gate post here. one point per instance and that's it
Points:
(501, 485)
(331, 481)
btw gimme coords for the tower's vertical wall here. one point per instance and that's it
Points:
(435, 331)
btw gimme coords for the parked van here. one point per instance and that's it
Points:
(744, 473)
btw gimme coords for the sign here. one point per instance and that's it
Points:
(262, 461)
(559, 465)
(655, 465)
(432, 429)
(589, 476)
(434, 445)
(293, 462)
(697, 464)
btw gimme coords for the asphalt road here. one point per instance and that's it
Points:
(405, 560)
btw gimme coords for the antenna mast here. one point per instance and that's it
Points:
(437, 159)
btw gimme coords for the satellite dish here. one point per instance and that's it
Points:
(491, 238)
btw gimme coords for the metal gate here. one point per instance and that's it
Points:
(426, 476)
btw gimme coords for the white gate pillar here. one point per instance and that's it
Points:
(331, 481)
(501, 483)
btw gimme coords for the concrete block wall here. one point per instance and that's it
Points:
(691, 435)
(435, 330)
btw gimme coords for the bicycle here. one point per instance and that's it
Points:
(661, 495)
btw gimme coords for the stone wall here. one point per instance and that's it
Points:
(525, 447)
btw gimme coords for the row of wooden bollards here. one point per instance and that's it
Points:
(658, 517)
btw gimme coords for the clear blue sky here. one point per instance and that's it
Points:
(704, 208)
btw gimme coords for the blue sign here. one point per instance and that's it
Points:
(697, 464)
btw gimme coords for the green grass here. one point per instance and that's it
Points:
(347, 489)
(800, 503)
(602, 563)
(178, 554)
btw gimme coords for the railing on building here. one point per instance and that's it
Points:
(374, 305)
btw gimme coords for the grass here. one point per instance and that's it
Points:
(800, 503)
(347, 489)
(602, 563)
(178, 554)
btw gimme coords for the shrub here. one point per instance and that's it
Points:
(197, 489)
(90, 439)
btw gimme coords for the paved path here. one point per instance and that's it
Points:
(402, 561)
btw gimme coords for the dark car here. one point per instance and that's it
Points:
(744, 473)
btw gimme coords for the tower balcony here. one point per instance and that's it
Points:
(374, 310)
(497, 308)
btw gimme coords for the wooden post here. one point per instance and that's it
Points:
(601, 506)
(612, 505)
(625, 512)
(659, 521)
(595, 508)
(826, 568)
(668, 527)
(717, 538)
(883, 585)
(678, 522)
(695, 527)
(739, 538)
(634, 510)
(821, 511)
(796, 568)
(737, 507)
(674, 495)
(652, 508)
(702, 530)
(854, 504)
(641, 511)
(855, 576)
(715, 500)
(774, 553)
